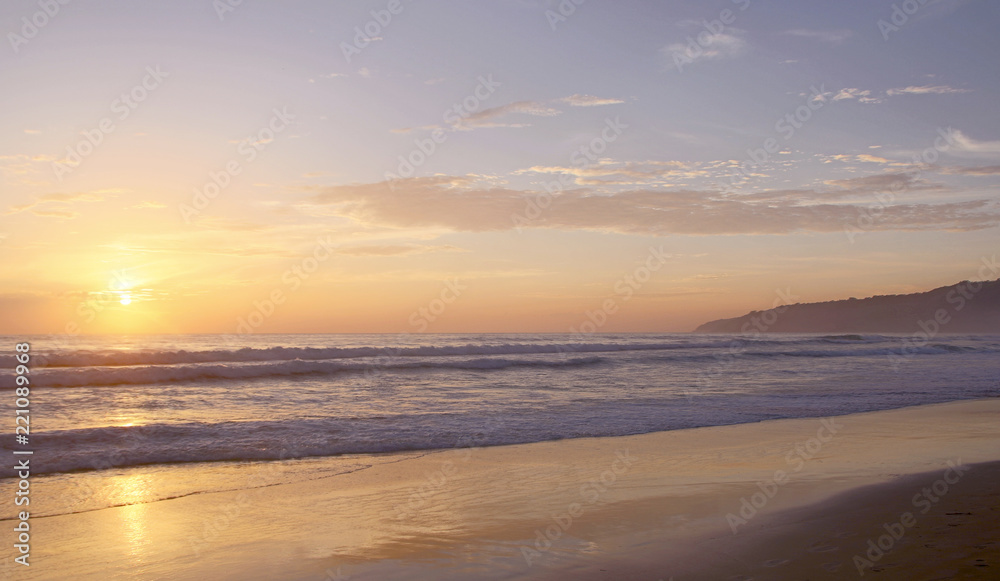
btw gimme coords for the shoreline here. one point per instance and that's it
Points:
(524, 511)
(393, 455)
(929, 526)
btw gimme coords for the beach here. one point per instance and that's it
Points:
(661, 505)
(488, 291)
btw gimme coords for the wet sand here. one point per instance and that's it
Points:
(782, 499)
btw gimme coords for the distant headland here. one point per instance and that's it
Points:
(965, 307)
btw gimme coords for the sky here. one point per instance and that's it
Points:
(398, 166)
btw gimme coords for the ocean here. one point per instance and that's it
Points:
(131, 419)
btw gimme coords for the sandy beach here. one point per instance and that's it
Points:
(395, 290)
(782, 499)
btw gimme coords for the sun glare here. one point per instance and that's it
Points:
(126, 299)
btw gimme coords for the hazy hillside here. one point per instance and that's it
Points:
(966, 307)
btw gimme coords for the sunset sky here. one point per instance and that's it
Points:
(366, 173)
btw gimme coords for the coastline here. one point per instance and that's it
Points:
(649, 506)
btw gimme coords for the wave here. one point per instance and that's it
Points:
(903, 350)
(94, 358)
(109, 376)
(727, 357)
(854, 338)
(265, 363)
(101, 448)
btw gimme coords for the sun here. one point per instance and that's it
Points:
(126, 299)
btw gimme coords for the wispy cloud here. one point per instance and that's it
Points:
(29, 170)
(490, 117)
(146, 204)
(963, 144)
(455, 203)
(867, 185)
(927, 90)
(867, 158)
(862, 95)
(589, 101)
(55, 205)
(610, 172)
(983, 170)
(65, 214)
(711, 47)
(869, 96)
(397, 249)
(327, 76)
(207, 222)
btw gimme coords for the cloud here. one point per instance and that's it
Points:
(227, 224)
(328, 76)
(42, 205)
(488, 117)
(709, 47)
(146, 204)
(588, 101)
(27, 170)
(862, 95)
(848, 158)
(862, 188)
(830, 36)
(609, 172)
(963, 144)
(66, 214)
(457, 203)
(927, 90)
(869, 185)
(491, 118)
(984, 170)
(866, 158)
(397, 249)
(866, 95)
